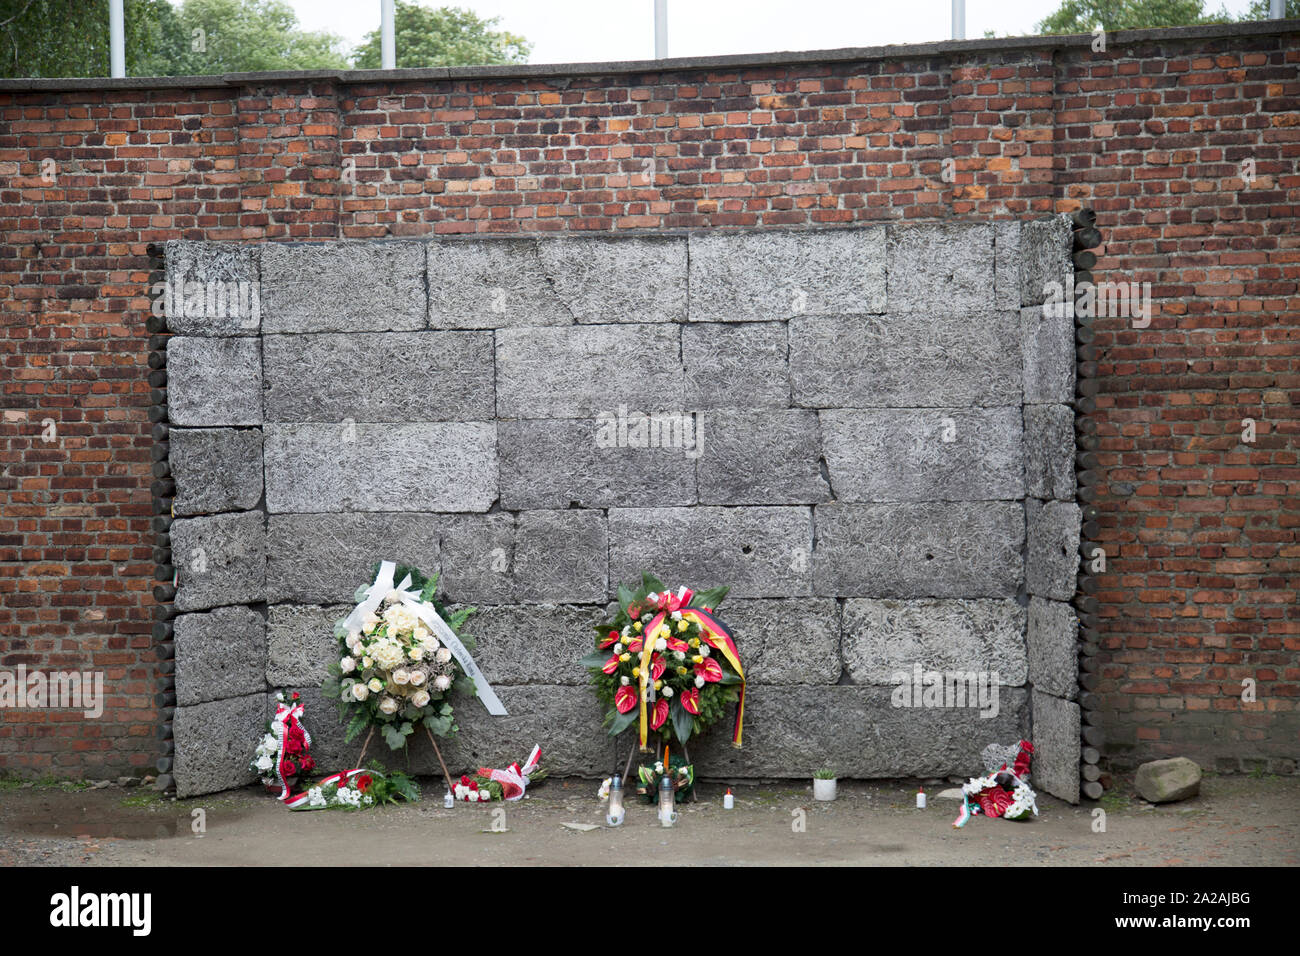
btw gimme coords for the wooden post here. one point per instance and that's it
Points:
(364, 748)
(446, 774)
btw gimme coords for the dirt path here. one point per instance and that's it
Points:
(1236, 821)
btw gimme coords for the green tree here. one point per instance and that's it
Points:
(70, 37)
(1259, 10)
(1082, 16)
(447, 36)
(242, 36)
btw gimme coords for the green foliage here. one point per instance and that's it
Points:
(447, 36)
(825, 773)
(1083, 16)
(1259, 10)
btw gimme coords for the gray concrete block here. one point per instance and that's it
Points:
(533, 643)
(745, 365)
(215, 469)
(491, 284)
(1052, 641)
(214, 743)
(792, 731)
(943, 268)
(758, 551)
(923, 549)
(417, 466)
(906, 360)
(1045, 246)
(560, 557)
(925, 454)
(478, 556)
(221, 559)
(212, 288)
(766, 457)
(1006, 265)
(883, 638)
(379, 377)
(771, 275)
(219, 654)
(785, 641)
(581, 372)
(1047, 347)
(1055, 767)
(300, 643)
(1052, 558)
(343, 286)
(1049, 452)
(214, 381)
(323, 558)
(598, 462)
(618, 278)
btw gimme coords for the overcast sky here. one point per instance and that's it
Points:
(570, 31)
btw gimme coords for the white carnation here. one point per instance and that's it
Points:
(668, 691)
(699, 682)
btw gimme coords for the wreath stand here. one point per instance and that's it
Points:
(442, 763)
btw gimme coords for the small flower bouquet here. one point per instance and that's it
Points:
(283, 754)
(666, 662)
(507, 784)
(649, 779)
(357, 790)
(1003, 792)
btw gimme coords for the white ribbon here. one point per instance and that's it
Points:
(382, 587)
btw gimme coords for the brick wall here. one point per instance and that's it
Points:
(1200, 591)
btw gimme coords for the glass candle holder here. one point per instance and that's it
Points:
(614, 816)
(667, 812)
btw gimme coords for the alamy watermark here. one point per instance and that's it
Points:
(946, 690)
(211, 299)
(1114, 300)
(633, 429)
(56, 690)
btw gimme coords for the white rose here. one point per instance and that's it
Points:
(367, 661)
(360, 692)
(388, 705)
(668, 691)
(270, 743)
(376, 685)
(699, 682)
(442, 682)
(443, 655)
(431, 644)
(418, 677)
(265, 762)
(401, 676)
(420, 698)
(347, 665)
(420, 634)
(369, 623)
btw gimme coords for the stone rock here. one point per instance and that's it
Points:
(923, 454)
(618, 279)
(771, 275)
(745, 365)
(922, 549)
(343, 286)
(1053, 641)
(300, 643)
(221, 559)
(952, 793)
(560, 557)
(552, 463)
(581, 372)
(940, 268)
(1049, 452)
(478, 556)
(765, 457)
(1055, 767)
(214, 381)
(219, 654)
(786, 641)
(906, 360)
(213, 288)
(379, 377)
(1047, 343)
(214, 743)
(414, 466)
(322, 558)
(1044, 257)
(128, 781)
(883, 638)
(758, 551)
(1006, 265)
(533, 644)
(1165, 781)
(216, 469)
(857, 731)
(1052, 561)
(490, 284)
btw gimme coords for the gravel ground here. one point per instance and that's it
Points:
(1241, 821)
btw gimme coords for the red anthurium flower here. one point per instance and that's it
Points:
(625, 699)
(635, 645)
(610, 665)
(691, 700)
(710, 670)
(634, 611)
(660, 714)
(676, 644)
(610, 638)
(657, 666)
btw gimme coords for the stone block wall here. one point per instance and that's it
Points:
(866, 432)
